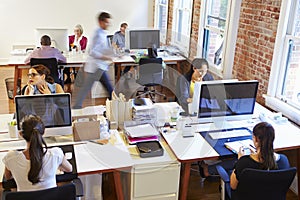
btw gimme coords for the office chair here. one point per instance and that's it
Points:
(51, 63)
(150, 74)
(109, 39)
(64, 192)
(259, 184)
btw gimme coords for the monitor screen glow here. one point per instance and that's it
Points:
(231, 100)
(142, 39)
(54, 110)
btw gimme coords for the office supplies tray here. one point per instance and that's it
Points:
(149, 149)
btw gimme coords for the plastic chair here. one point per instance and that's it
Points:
(51, 63)
(64, 192)
(259, 184)
(150, 74)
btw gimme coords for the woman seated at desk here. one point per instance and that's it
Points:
(35, 167)
(185, 83)
(264, 157)
(40, 82)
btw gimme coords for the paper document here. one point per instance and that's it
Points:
(142, 130)
(235, 146)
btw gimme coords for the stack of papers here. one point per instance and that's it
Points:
(143, 113)
(141, 133)
(141, 130)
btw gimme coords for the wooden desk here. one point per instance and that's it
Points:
(188, 150)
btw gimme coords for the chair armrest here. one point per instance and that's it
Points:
(78, 187)
(223, 174)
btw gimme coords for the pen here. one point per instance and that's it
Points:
(252, 146)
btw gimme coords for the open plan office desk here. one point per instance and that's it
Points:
(90, 158)
(73, 60)
(191, 149)
(129, 61)
(78, 60)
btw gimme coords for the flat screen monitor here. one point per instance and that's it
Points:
(54, 110)
(142, 39)
(228, 100)
(59, 37)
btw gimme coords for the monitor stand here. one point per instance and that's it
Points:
(221, 123)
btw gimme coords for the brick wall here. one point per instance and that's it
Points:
(255, 42)
(195, 28)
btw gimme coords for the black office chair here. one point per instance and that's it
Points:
(64, 192)
(55, 71)
(259, 184)
(109, 39)
(150, 74)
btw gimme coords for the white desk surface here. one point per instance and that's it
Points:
(71, 59)
(287, 136)
(90, 157)
(81, 58)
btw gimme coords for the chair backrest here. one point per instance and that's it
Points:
(109, 39)
(65, 192)
(150, 71)
(52, 65)
(264, 184)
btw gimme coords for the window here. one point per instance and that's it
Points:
(161, 18)
(284, 85)
(182, 17)
(218, 27)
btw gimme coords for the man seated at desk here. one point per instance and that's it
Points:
(46, 51)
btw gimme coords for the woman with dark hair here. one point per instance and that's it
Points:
(185, 83)
(35, 167)
(40, 81)
(264, 158)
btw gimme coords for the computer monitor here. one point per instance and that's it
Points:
(54, 110)
(142, 38)
(221, 101)
(59, 37)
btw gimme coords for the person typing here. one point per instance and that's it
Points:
(35, 167)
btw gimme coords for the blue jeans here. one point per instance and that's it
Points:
(88, 82)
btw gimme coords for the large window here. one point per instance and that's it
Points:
(161, 18)
(284, 86)
(182, 16)
(218, 28)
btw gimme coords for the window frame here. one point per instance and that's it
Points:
(273, 99)
(183, 46)
(230, 36)
(163, 34)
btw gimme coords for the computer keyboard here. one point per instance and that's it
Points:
(229, 134)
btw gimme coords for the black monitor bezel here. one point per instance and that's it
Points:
(63, 95)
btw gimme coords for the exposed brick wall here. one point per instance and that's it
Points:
(255, 42)
(195, 28)
(170, 20)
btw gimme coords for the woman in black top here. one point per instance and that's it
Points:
(185, 83)
(263, 158)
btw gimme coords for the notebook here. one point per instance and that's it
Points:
(235, 146)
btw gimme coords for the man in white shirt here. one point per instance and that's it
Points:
(100, 54)
(46, 51)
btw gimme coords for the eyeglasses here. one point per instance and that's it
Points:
(33, 75)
